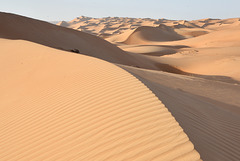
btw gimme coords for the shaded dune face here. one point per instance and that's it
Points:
(74, 107)
(146, 33)
(206, 114)
(19, 27)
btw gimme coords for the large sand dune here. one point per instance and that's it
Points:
(61, 106)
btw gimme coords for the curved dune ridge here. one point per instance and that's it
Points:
(209, 115)
(144, 34)
(61, 106)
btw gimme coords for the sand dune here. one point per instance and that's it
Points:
(144, 34)
(18, 27)
(120, 37)
(62, 106)
(150, 35)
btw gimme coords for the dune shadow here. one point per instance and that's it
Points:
(201, 118)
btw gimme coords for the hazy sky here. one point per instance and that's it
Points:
(51, 10)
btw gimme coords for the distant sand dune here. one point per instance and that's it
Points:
(114, 26)
(61, 106)
(144, 34)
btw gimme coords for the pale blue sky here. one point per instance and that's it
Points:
(51, 10)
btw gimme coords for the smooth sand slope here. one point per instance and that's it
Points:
(221, 61)
(57, 105)
(19, 27)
